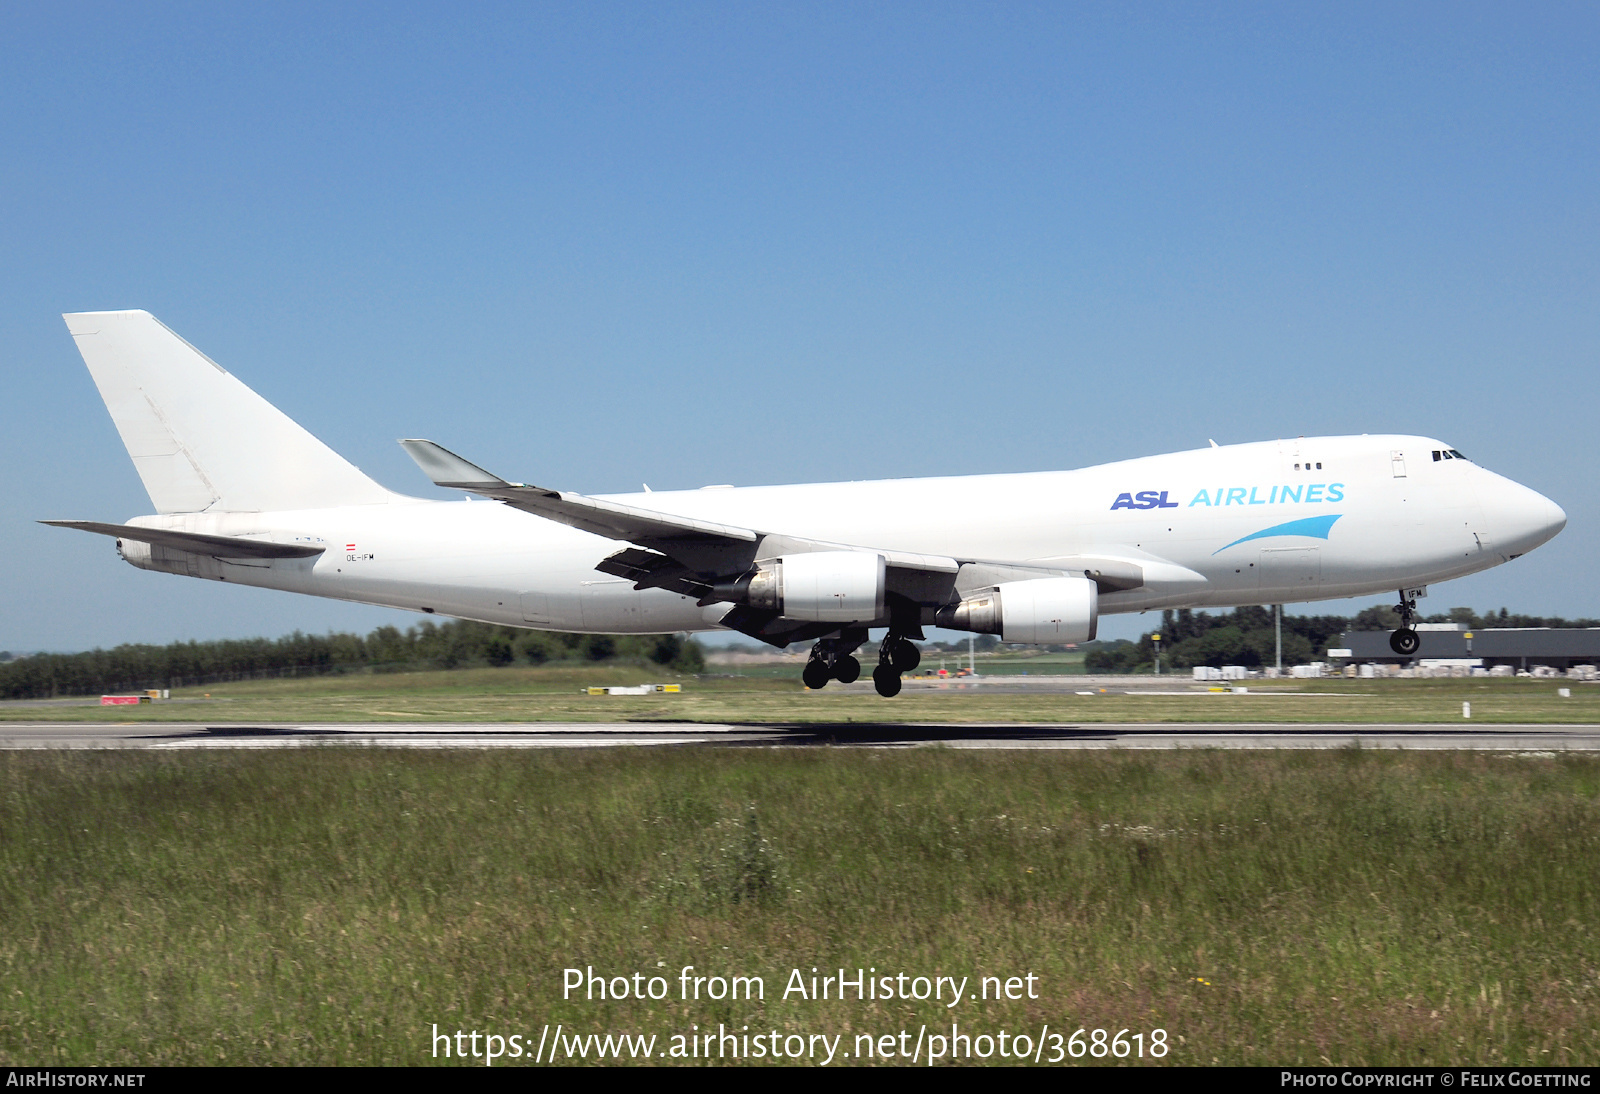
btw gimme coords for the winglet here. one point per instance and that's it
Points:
(446, 468)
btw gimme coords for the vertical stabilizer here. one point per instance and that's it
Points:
(201, 440)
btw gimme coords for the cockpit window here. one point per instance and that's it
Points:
(1437, 455)
(1456, 454)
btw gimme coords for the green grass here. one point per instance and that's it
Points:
(553, 694)
(332, 905)
(1012, 663)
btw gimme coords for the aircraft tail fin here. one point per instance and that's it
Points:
(201, 440)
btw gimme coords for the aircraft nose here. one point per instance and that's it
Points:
(1555, 517)
(1526, 518)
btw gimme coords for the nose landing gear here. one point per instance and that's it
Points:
(1405, 641)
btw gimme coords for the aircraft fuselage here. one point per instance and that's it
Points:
(1269, 522)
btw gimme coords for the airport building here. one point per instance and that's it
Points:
(1511, 650)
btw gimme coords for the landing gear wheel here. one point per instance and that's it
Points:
(1405, 641)
(887, 681)
(904, 655)
(846, 669)
(815, 674)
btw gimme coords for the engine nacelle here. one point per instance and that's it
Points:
(820, 586)
(1042, 611)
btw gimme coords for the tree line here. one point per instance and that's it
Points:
(1246, 636)
(451, 644)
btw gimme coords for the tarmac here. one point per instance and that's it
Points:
(1530, 739)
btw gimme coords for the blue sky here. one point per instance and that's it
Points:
(593, 245)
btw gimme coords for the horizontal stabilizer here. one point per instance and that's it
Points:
(193, 542)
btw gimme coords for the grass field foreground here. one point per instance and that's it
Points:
(331, 906)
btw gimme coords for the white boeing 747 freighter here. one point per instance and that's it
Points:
(244, 494)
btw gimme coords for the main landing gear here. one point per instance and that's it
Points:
(896, 655)
(832, 659)
(1405, 641)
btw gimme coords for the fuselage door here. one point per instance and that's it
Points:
(536, 608)
(558, 609)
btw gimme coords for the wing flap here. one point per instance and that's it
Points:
(772, 628)
(652, 570)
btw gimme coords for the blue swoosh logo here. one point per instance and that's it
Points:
(1317, 527)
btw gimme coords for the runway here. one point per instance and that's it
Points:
(1507, 738)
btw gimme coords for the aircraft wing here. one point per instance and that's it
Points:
(193, 542)
(686, 540)
(688, 556)
(603, 518)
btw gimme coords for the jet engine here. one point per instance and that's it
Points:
(1040, 611)
(819, 586)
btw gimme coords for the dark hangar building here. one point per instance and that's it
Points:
(1520, 648)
